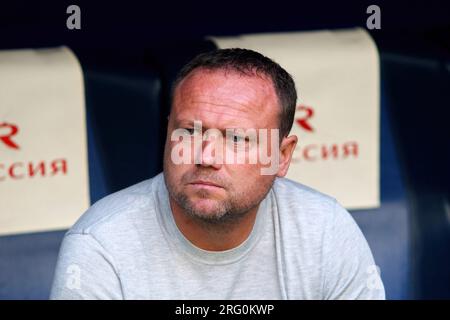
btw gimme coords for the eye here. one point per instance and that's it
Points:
(237, 138)
(190, 130)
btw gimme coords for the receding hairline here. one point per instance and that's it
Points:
(230, 70)
(226, 70)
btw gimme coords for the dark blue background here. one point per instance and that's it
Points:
(130, 53)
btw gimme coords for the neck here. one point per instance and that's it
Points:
(213, 237)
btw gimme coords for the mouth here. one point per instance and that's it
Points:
(205, 184)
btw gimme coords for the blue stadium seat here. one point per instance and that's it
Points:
(417, 86)
(387, 228)
(124, 147)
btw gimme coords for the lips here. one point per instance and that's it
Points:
(204, 183)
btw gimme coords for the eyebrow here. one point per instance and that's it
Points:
(190, 123)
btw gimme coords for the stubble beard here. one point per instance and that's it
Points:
(220, 216)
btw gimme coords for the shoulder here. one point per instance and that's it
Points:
(119, 209)
(300, 198)
(308, 210)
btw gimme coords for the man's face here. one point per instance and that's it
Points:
(222, 100)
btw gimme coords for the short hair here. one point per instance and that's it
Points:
(249, 63)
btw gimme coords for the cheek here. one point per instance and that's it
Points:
(249, 176)
(174, 172)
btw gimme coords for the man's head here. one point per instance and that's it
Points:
(249, 63)
(228, 89)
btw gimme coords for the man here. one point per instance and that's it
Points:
(209, 226)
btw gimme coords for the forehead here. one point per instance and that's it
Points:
(222, 98)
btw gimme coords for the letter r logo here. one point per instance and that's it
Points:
(306, 113)
(7, 130)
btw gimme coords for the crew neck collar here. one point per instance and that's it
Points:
(205, 256)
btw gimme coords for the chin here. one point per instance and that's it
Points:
(206, 208)
(205, 205)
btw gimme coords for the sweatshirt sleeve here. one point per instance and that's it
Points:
(85, 270)
(350, 272)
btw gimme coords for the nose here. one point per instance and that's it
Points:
(210, 154)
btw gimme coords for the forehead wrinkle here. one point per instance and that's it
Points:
(229, 92)
(240, 111)
(232, 112)
(247, 108)
(222, 121)
(239, 93)
(209, 94)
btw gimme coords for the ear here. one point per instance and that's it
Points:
(287, 148)
(169, 118)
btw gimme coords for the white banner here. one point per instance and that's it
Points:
(43, 148)
(337, 118)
